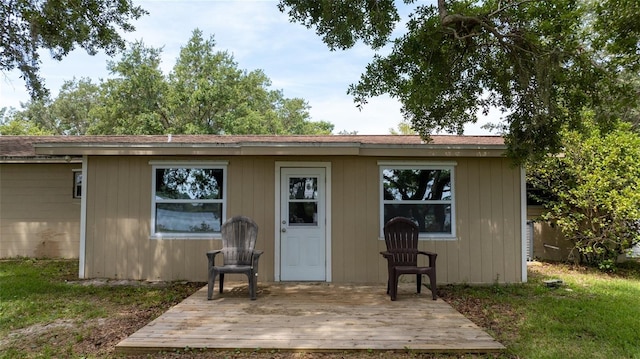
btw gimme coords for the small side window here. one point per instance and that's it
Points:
(77, 183)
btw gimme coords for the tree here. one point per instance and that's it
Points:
(210, 94)
(10, 125)
(28, 26)
(205, 93)
(539, 62)
(133, 102)
(404, 128)
(591, 191)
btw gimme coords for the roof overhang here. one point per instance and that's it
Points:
(41, 159)
(268, 149)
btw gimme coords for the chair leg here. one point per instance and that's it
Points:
(211, 284)
(432, 278)
(221, 282)
(394, 287)
(418, 283)
(252, 286)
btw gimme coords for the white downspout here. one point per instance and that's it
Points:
(523, 222)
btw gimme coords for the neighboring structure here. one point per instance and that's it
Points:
(39, 203)
(152, 206)
(546, 242)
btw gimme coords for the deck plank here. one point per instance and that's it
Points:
(311, 317)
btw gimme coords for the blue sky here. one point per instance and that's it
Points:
(259, 37)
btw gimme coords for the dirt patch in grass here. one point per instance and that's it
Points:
(91, 338)
(97, 338)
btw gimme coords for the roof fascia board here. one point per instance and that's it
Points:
(432, 152)
(269, 149)
(26, 160)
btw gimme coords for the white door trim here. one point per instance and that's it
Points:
(276, 235)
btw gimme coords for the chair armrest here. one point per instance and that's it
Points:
(386, 254)
(211, 256)
(432, 257)
(254, 260)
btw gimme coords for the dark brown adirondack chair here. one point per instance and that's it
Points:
(239, 254)
(401, 238)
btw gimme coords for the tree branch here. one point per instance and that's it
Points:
(511, 5)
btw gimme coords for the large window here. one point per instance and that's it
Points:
(188, 199)
(421, 192)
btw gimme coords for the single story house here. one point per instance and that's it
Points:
(149, 207)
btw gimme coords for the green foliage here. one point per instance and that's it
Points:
(342, 23)
(404, 128)
(593, 192)
(205, 93)
(539, 62)
(10, 125)
(68, 114)
(28, 26)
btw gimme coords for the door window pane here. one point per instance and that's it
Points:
(303, 188)
(303, 213)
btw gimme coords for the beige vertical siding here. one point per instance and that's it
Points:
(38, 215)
(548, 241)
(118, 220)
(488, 247)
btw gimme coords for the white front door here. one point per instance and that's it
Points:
(302, 224)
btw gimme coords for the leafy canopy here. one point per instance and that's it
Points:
(592, 191)
(27, 26)
(540, 62)
(204, 93)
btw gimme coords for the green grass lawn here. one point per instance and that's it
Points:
(592, 315)
(34, 293)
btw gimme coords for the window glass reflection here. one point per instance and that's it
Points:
(303, 188)
(188, 217)
(189, 183)
(303, 213)
(420, 184)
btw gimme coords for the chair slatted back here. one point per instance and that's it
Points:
(401, 238)
(239, 236)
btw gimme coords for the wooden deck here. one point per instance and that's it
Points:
(311, 317)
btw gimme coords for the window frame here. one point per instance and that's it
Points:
(155, 165)
(77, 173)
(419, 165)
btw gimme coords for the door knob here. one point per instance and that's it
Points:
(284, 230)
